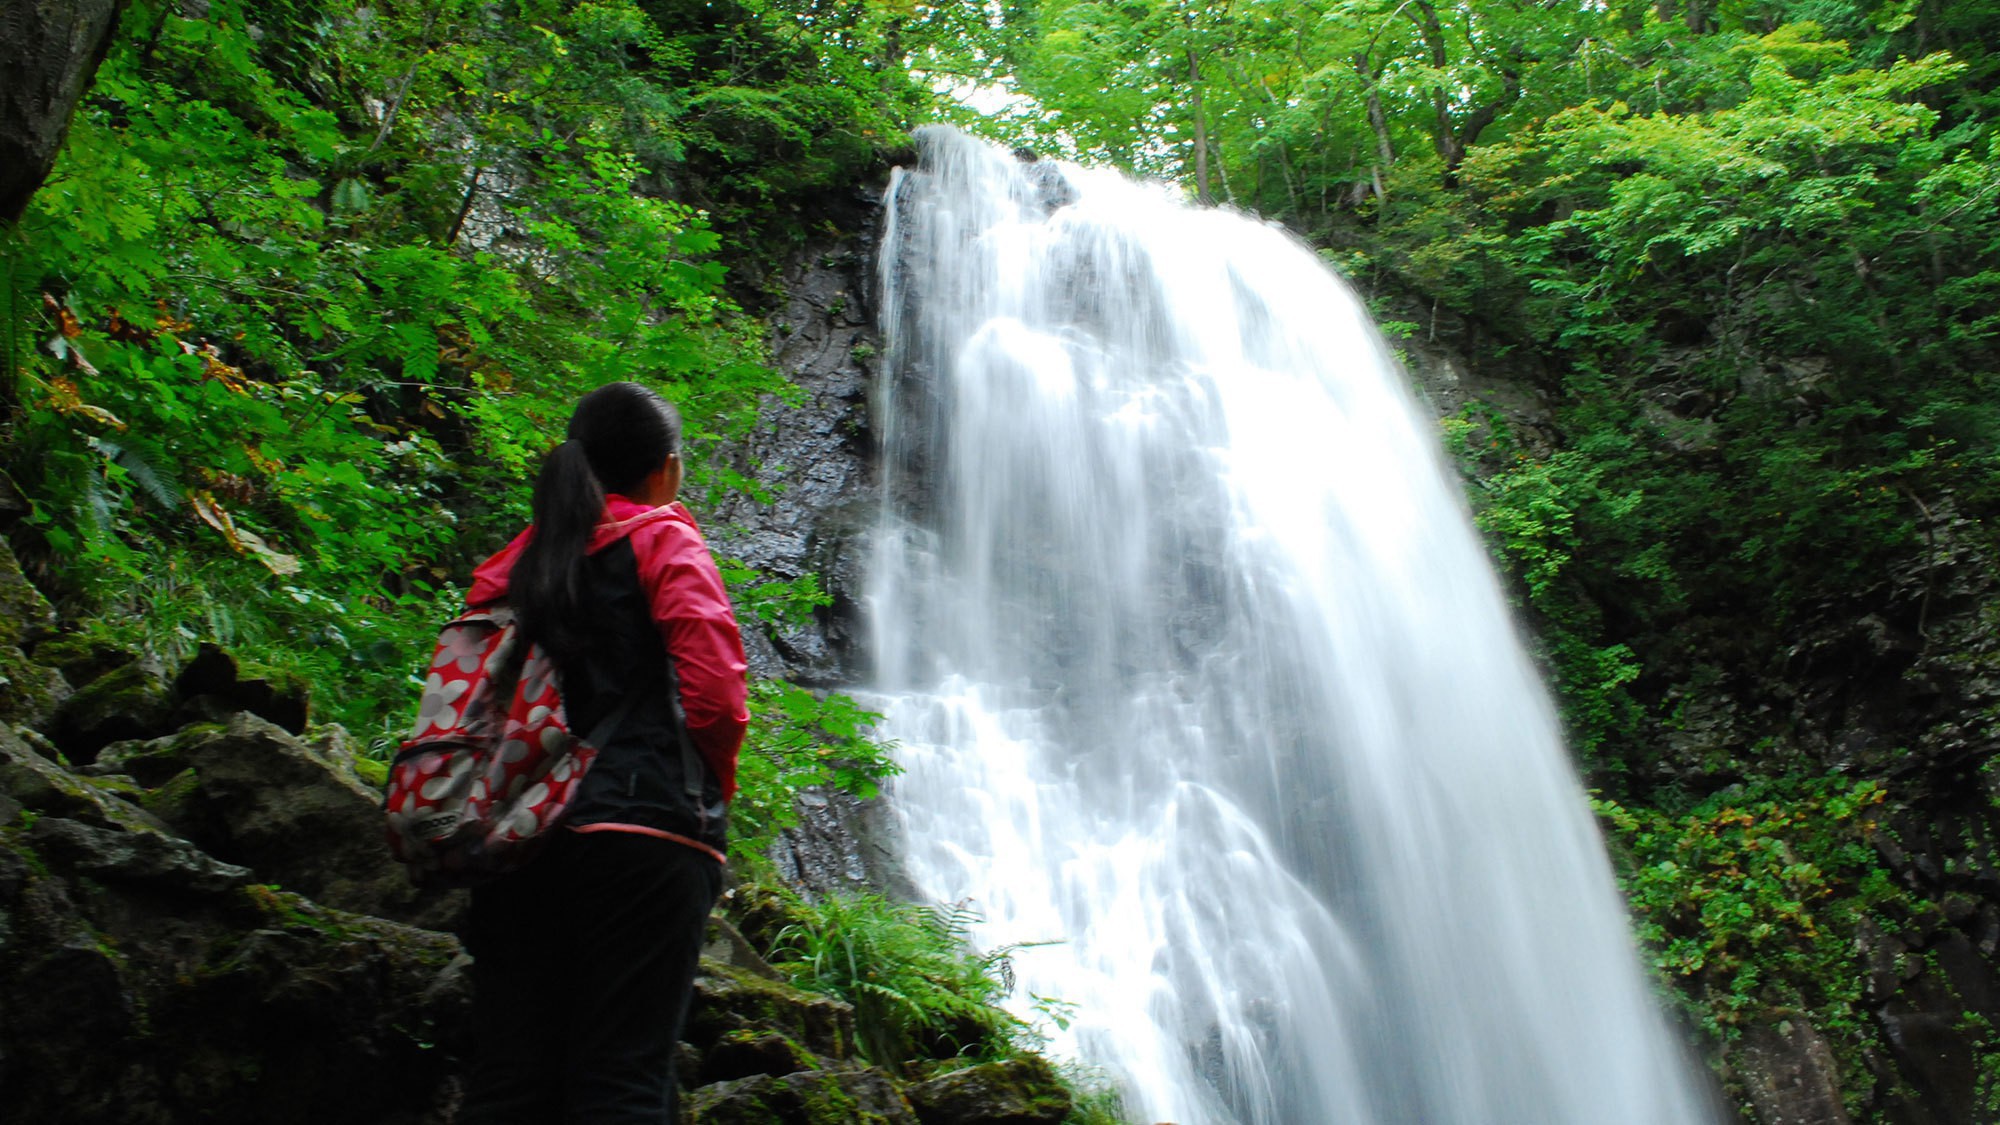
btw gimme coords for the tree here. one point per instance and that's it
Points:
(55, 49)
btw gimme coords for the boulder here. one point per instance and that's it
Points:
(137, 856)
(815, 1097)
(144, 981)
(251, 793)
(34, 781)
(135, 700)
(212, 688)
(1017, 1091)
(733, 1000)
(25, 615)
(29, 693)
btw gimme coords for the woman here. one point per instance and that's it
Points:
(584, 959)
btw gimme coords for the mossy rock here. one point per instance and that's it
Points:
(746, 1052)
(41, 785)
(155, 761)
(131, 702)
(213, 687)
(29, 692)
(83, 657)
(819, 1097)
(25, 615)
(1017, 1091)
(291, 811)
(728, 999)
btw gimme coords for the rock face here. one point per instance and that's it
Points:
(142, 979)
(813, 455)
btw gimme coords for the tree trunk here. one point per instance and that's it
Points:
(1200, 133)
(54, 48)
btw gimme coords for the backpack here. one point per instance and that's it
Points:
(492, 765)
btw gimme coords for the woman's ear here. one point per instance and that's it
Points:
(662, 485)
(670, 478)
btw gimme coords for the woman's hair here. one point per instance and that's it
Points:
(619, 434)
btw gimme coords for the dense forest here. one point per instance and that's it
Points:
(311, 285)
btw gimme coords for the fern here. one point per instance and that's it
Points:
(158, 485)
(918, 987)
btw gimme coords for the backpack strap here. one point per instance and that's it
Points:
(693, 769)
(608, 726)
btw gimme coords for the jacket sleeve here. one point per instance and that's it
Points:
(695, 620)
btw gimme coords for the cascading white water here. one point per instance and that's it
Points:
(1200, 673)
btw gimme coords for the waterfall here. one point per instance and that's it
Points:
(1201, 676)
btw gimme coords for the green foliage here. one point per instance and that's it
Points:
(918, 989)
(1753, 898)
(798, 741)
(318, 288)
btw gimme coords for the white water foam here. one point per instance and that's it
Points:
(1201, 674)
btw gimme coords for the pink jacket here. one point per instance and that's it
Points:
(690, 608)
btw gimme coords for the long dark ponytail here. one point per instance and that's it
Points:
(619, 434)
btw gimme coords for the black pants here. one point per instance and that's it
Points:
(582, 966)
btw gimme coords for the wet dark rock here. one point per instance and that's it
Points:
(135, 700)
(143, 980)
(211, 689)
(814, 455)
(144, 856)
(841, 845)
(1926, 1023)
(741, 1054)
(1789, 1074)
(1020, 1091)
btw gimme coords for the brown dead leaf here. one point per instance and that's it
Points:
(212, 367)
(67, 400)
(66, 322)
(242, 540)
(265, 464)
(168, 322)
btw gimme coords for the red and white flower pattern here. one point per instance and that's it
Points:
(492, 764)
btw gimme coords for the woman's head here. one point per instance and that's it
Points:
(626, 433)
(622, 438)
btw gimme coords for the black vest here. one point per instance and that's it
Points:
(641, 775)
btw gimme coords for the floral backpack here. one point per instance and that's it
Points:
(492, 765)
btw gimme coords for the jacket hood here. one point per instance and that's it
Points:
(620, 518)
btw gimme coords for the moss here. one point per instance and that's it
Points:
(740, 999)
(827, 1103)
(83, 657)
(294, 911)
(24, 613)
(13, 839)
(168, 799)
(29, 692)
(372, 772)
